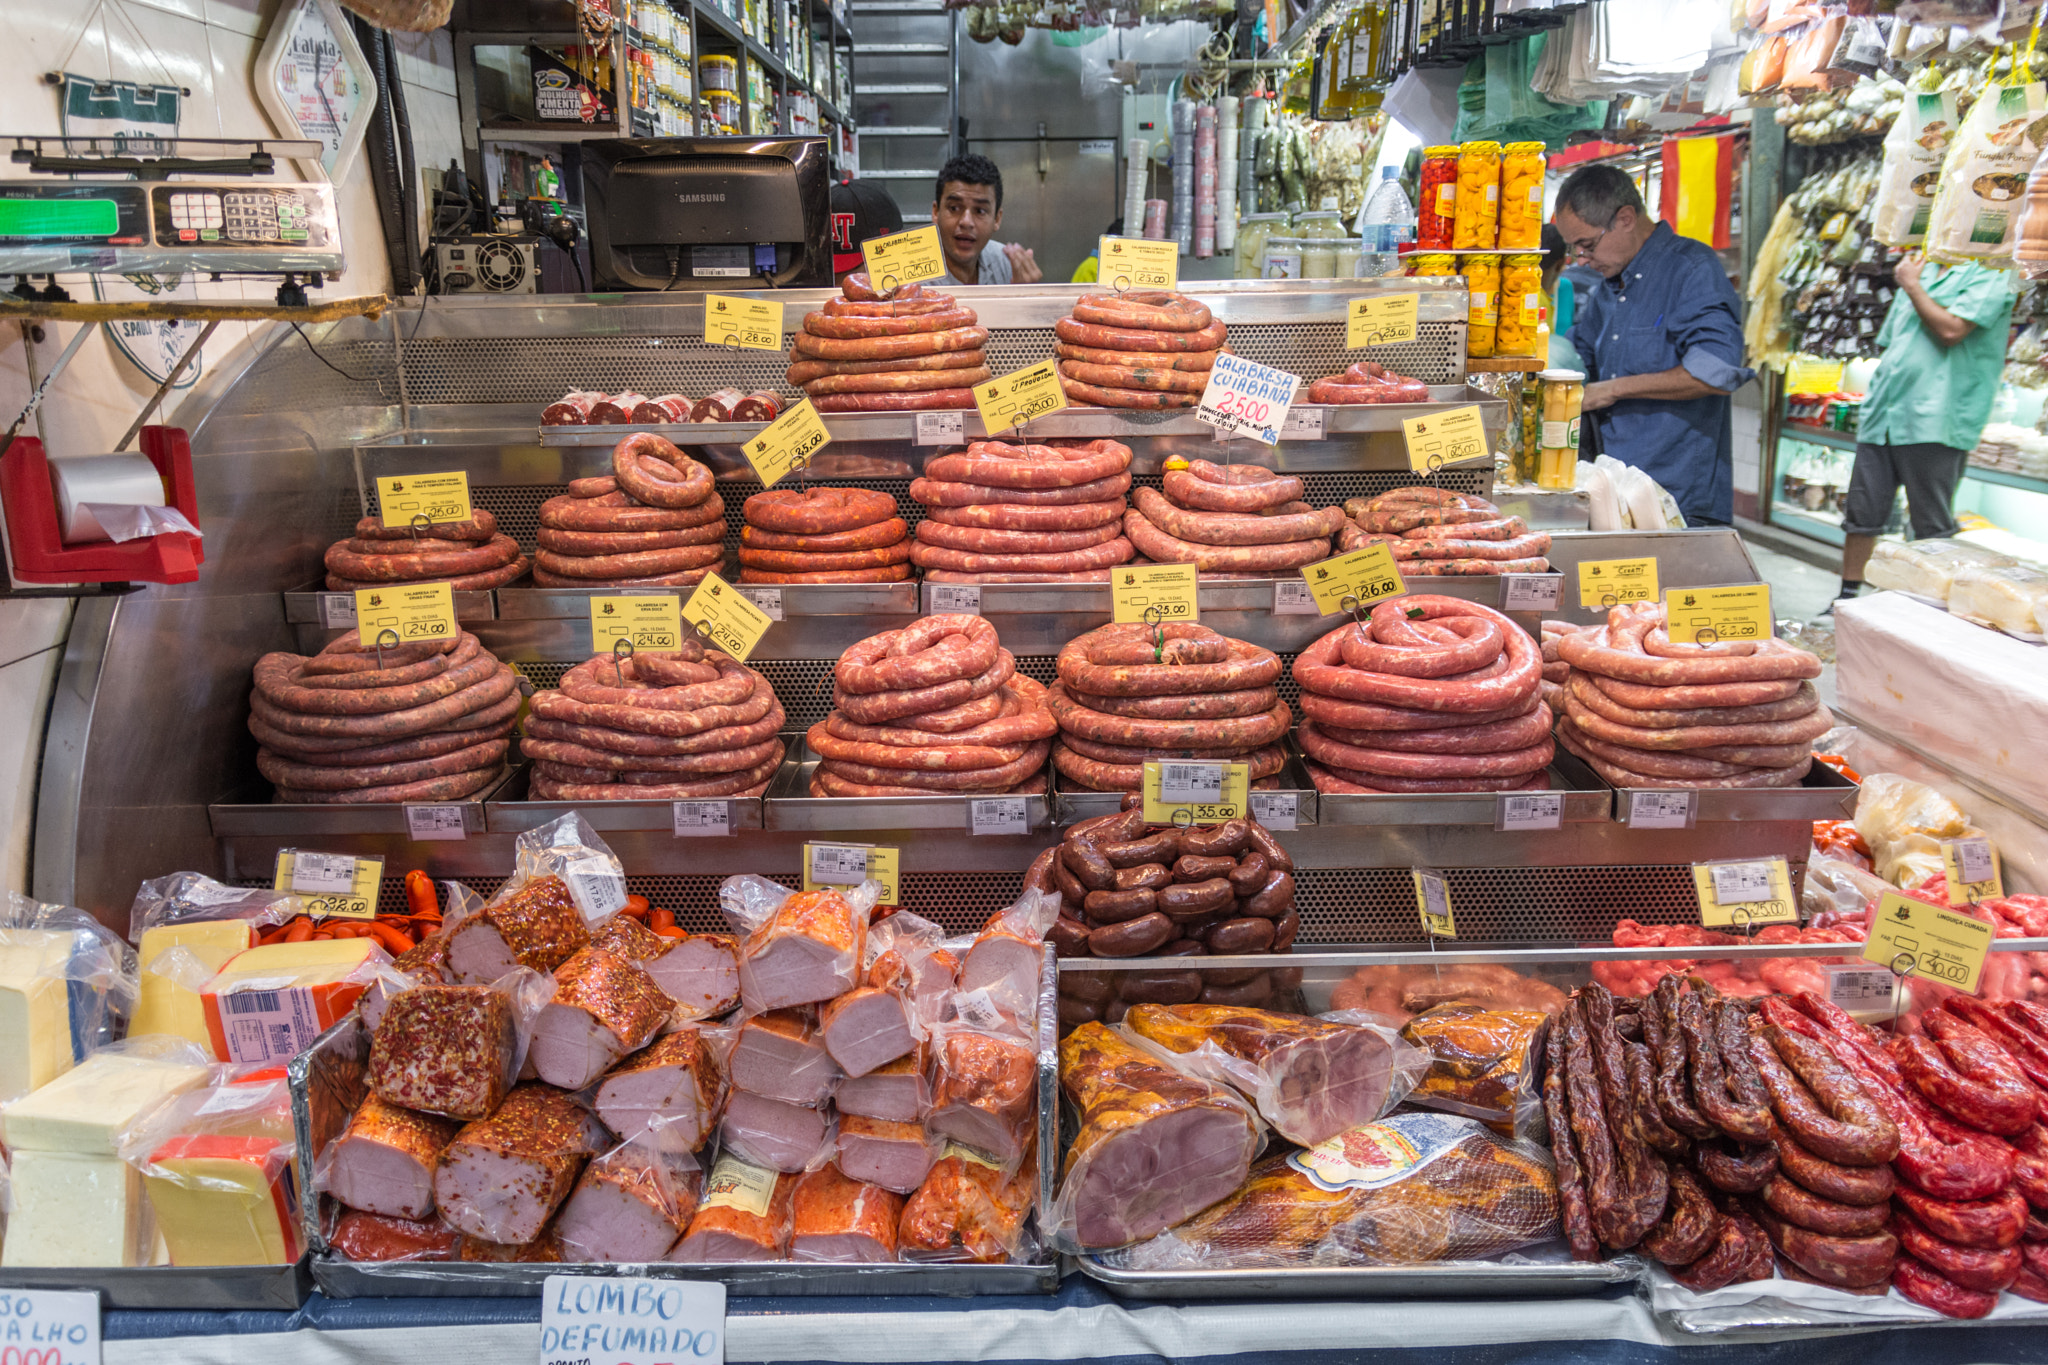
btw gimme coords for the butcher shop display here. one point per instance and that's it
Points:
(469, 556)
(823, 535)
(656, 520)
(1144, 348)
(1002, 513)
(1434, 533)
(934, 709)
(680, 725)
(1645, 711)
(410, 722)
(1229, 519)
(1131, 694)
(1368, 381)
(580, 408)
(1428, 694)
(909, 349)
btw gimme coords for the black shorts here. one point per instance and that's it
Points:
(1930, 474)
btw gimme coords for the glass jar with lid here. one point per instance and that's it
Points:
(1482, 287)
(1282, 258)
(1478, 197)
(1521, 196)
(1521, 303)
(1319, 233)
(1253, 229)
(1437, 211)
(1430, 264)
(1564, 392)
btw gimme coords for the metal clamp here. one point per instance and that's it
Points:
(1902, 966)
(703, 631)
(1349, 602)
(1740, 918)
(378, 644)
(1706, 637)
(622, 648)
(1154, 618)
(421, 524)
(1182, 818)
(1434, 467)
(1609, 600)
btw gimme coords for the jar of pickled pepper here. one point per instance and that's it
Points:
(1429, 264)
(1521, 303)
(1521, 196)
(1438, 192)
(1529, 431)
(1482, 287)
(1478, 197)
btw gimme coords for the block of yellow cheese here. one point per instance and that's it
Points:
(83, 1111)
(164, 1005)
(39, 1036)
(269, 1003)
(224, 1200)
(73, 1210)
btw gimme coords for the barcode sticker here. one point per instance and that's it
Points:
(1736, 883)
(337, 610)
(769, 600)
(1291, 597)
(962, 598)
(425, 823)
(268, 1026)
(1529, 810)
(1276, 810)
(1191, 783)
(1303, 424)
(937, 428)
(597, 886)
(314, 873)
(1860, 988)
(699, 819)
(1974, 857)
(1660, 809)
(978, 1008)
(1531, 591)
(1433, 903)
(838, 864)
(998, 815)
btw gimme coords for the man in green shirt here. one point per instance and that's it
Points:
(1944, 345)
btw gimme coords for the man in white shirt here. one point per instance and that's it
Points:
(967, 211)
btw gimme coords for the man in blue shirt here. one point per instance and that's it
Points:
(1661, 337)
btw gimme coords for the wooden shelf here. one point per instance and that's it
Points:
(333, 310)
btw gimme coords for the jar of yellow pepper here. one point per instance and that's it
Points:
(1521, 303)
(1478, 197)
(1521, 196)
(1482, 287)
(1430, 264)
(1558, 455)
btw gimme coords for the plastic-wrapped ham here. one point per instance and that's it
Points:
(629, 1205)
(700, 972)
(773, 1133)
(895, 1156)
(899, 1092)
(384, 1161)
(1007, 956)
(423, 965)
(744, 1216)
(908, 979)
(985, 1093)
(780, 1055)
(675, 1084)
(501, 1178)
(966, 1210)
(604, 1008)
(537, 926)
(834, 1218)
(800, 947)
(449, 1050)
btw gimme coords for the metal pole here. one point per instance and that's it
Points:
(35, 398)
(191, 354)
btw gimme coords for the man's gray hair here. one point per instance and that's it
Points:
(1595, 194)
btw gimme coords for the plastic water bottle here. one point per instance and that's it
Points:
(1386, 221)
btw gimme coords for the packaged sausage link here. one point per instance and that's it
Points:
(800, 947)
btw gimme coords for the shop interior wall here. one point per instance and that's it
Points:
(210, 47)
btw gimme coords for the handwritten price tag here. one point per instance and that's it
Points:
(736, 624)
(1135, 589)
(904, 258)
(1015, 398)
(52, 1326)
(402, 499)
(1703, 616)
(1243, 398)
(331, 884)
(1381, 320)
(1368, 575)
(852, 864)
(617, 1320)
(1940, 944)
(416, 611)
(1972, 866)
(1607, 582)
(1444, 438)
(788, 441)
(1433, 903)
(1744, 893)
(1209, 792)
(645, 622)
(751, 324)
(1137, 263)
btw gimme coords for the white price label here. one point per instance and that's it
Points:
(1531, 591)
(697, 819)
(597, 886)
(1190, 784)
(1740, 883)
(338, 610)
(769, 600)
(1860, 988)
(1973, 856)
(941, 428)
(1276, 810)
(838, 864)
(625, 1320)
(1244, 398)
(1303, 424)
(951, 598)
(998, 815)
(263, 1026)
(978, 1008)
(426, 823)
(1660, 809)
(318, 873)
(1291, 597)
(1529, 810)
(52, 1326)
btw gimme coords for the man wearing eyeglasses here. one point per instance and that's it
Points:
(1661, 337)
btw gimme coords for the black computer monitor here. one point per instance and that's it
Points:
(695, 213)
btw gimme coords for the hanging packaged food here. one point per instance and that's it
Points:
(1521, 304)
(1521, 196)
(1984, 176)
(1478, 197)
(1482, 317)
(1437, 213)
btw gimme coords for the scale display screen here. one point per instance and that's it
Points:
(81, 214)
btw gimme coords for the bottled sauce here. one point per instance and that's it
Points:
(1482, 285)
(1521, 196)
(1558, 440)
(1438, 212)
(1252, 231)
(1478, 197)
(1386, 222)
(1521, 304)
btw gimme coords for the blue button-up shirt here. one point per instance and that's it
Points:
(1671, 306)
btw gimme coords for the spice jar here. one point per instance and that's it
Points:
(1478, 197)
(1521, 303)
(1482, 316)
(1521, 196)
(1437, 211)
(1430, 263)
(1558, 451)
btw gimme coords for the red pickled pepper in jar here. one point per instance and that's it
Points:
(1436, 212)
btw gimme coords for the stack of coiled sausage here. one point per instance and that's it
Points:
(1645, 712)
(1368, 381)
(875, 352)
(467, 555)
(823, 535)
(654, 520)
(1142, 349)
(1132, 694)
(1430, 695)
(1432, 532)
(1230, 519)
(1008, 513)
(414, 722)
(654, 727)
(935, 709)
(578, 408)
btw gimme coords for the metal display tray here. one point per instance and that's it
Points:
(1074, 804)
(790, 806)
(274, 1288)
(813, 620)
(1587, 801)
(327, 1087)
(309, 606)
(1435, 1280)
(245, 814)
(1823, 794)
(511, 811)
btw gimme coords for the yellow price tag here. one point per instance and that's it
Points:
(1380, 320)
(1012, 399)
(1368, 575)
(402, 499)
(788, 441)
(904, 258)
(1433, 903)
(844, 865)
(751, 324)
(332, 885)
(1742, 893)
(1136, 588)
(653, 622)
(1939, 944)
(1705, 616)
(736, 624)
(414, 611)
(1137, 263)
(1973, 873)
(1208, 792)
(1608, 582)
(1444, 438)
(1807, 375)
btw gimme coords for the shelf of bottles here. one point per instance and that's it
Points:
(1348, 54)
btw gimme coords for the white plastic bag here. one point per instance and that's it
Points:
(1983, 187)
(1913, 150)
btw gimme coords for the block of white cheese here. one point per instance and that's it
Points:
(73, 1210)
(268, 1004)
(83, 1111)
(46, 1021)
(166, 1004)
(224, 1200)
